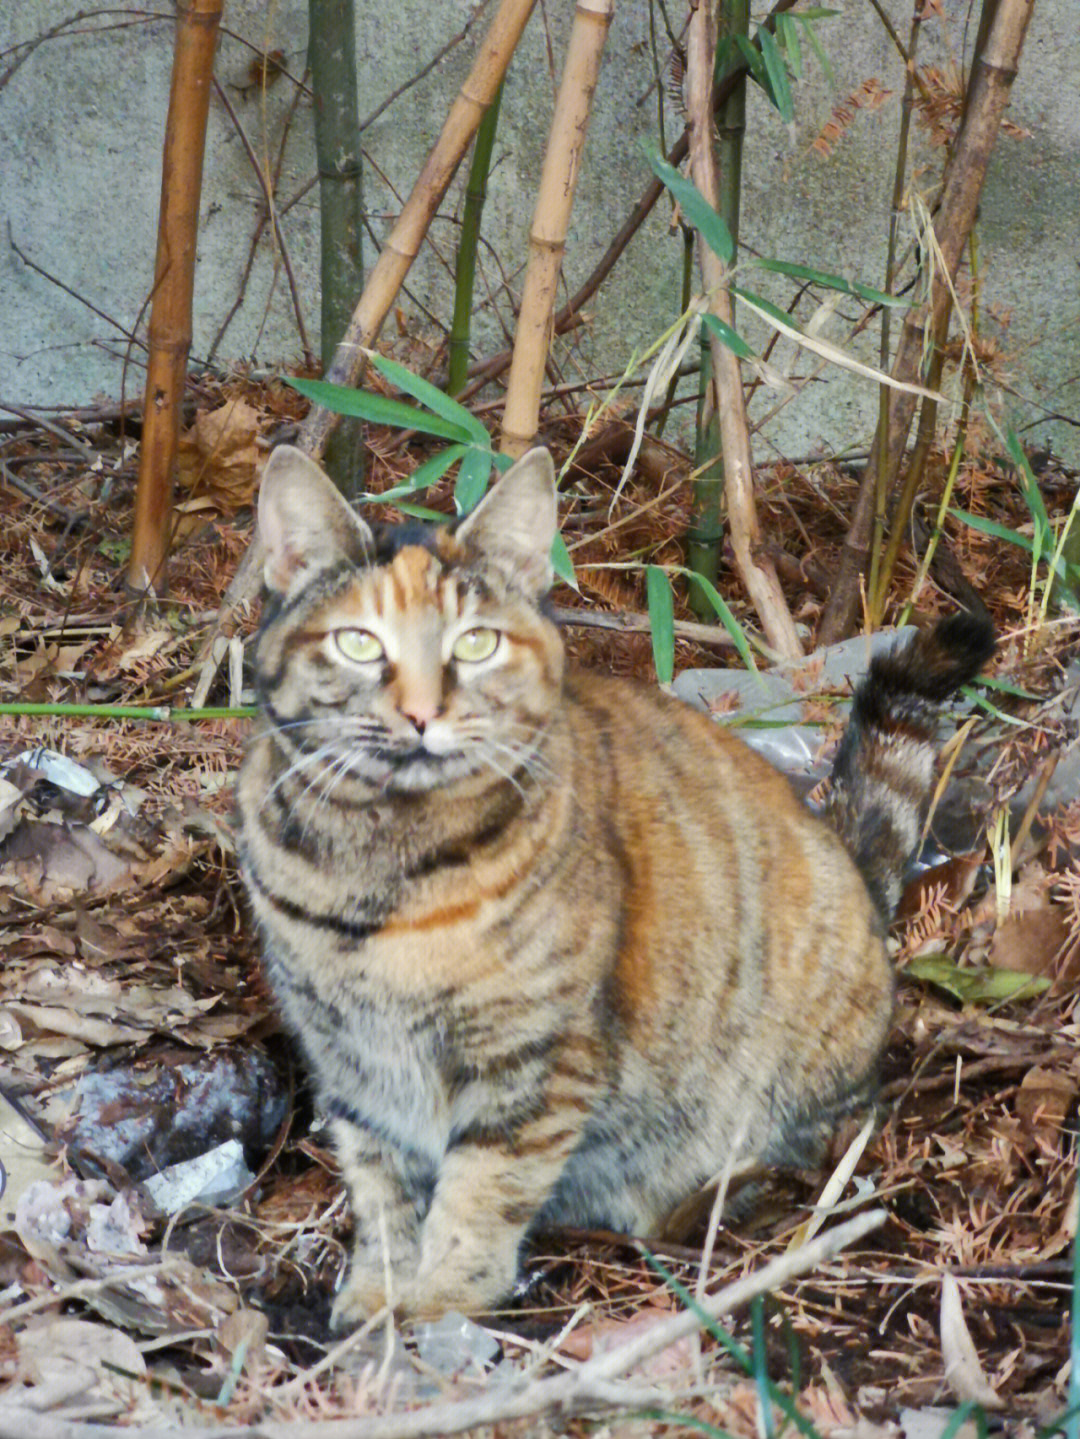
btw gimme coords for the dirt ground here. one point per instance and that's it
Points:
(135, 1033)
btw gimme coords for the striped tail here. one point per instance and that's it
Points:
(883, 775)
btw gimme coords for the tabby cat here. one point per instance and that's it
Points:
(558, 948)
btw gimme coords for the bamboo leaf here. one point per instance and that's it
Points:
(752, 56)
(787, 37)
(991, 527)
(561, 562)
(662, 622)
(833, 282)
(779, 89)
(724, 615)
(806, 19)
(1028, 483)
(727, 336)
(430, 396)
(429, 473)
(696, 209)
(472, 481)
(377, 409)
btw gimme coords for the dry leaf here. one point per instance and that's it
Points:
(217, 457)
(1043, 1101)
(963, 1372)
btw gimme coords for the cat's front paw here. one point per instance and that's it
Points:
(359, 1299)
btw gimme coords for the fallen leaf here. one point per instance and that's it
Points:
(975, 985)
(217, 457)
(1044, 1099)
(963, 1371)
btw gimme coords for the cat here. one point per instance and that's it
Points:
(557, 947)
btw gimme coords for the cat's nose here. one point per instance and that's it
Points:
(420, 715)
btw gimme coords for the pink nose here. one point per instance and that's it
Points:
(420, 715)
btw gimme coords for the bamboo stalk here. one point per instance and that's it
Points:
(551, 219)
(570, 315)
(704, 537)
(988, 94)
(465, 269)
(403, 243)
(332, 59)
(197, 23)
(756, 571)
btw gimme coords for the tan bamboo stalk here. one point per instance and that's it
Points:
(197, 23)
(755, 570)
(551, 219)
(988, 94)
(404, 241)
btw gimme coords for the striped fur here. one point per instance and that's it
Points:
(558, 949)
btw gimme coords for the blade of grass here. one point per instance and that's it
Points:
(832, 282)
(729, 337)
(161, 713)
(662, 622)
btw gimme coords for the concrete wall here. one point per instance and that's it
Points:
(81, 124)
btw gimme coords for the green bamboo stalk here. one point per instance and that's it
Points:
(332, 60)
(465, 271)
(875, 587)
(704, 537)
(166, 713)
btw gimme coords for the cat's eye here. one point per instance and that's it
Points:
(359, 646)
(476, 645)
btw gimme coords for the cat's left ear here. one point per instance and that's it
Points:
(516, 521)
(304, 522)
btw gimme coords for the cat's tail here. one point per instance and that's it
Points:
(883, 775)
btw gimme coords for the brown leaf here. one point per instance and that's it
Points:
(1030, 940)
(1043, 1101)
(217, 457)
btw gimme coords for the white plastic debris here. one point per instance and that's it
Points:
(58, 770)
(211, 1178)
(453, 1344)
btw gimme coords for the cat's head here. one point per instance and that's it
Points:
(411, 658)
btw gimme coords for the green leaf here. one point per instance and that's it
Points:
(1028, 483)
(724, 615)
(662, 621)
(420, 512)
(991, 527)
(432, 397)
(787, 37)
(429, 473)
(727, 336)
(472, 481)
(806, 19)
(696, 209)
(767, 305)
(976, 986)
(561, 562)
(377, 409)
(833, 282)
(779, 89)
(754, 63)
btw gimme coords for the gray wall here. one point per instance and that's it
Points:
(81, 124)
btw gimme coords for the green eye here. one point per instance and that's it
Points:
(476, 645)
(359, 646)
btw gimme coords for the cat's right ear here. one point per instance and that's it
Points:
(304, 522)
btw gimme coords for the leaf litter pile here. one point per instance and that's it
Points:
(172, 1221)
